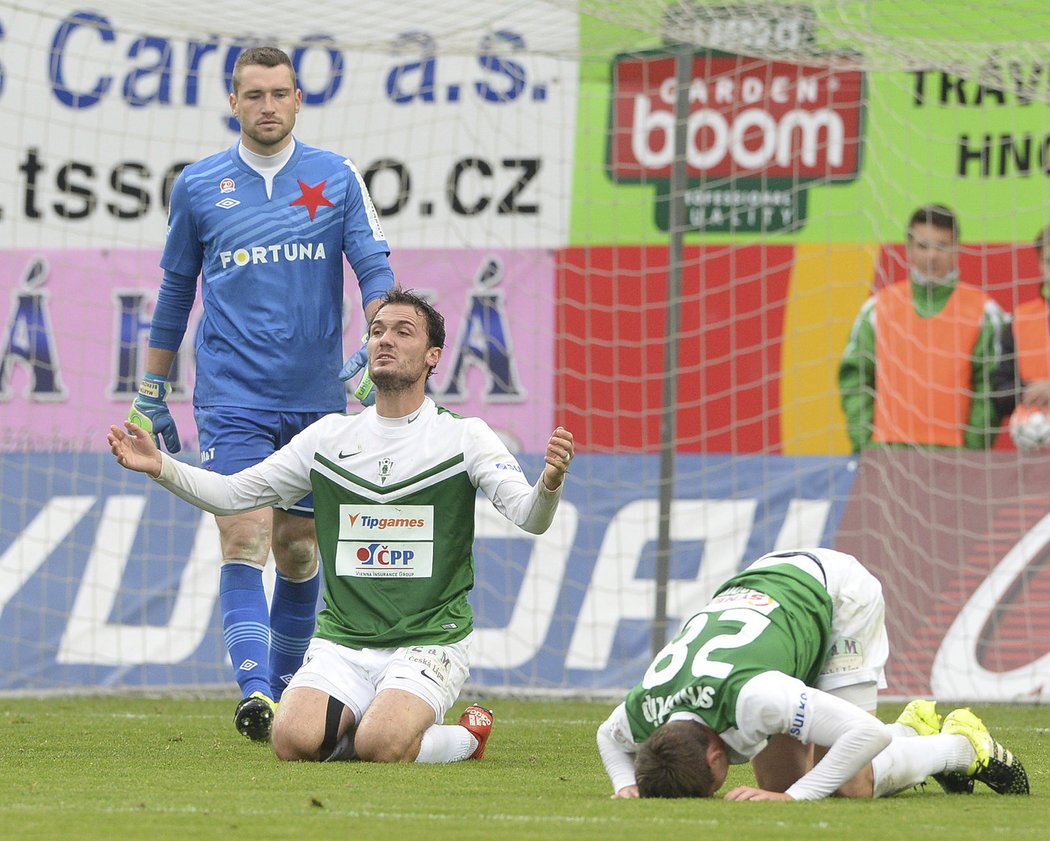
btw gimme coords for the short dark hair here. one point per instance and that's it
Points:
(1042, 240)
(435, 321)
(672, 762)
(263, 56)
(937, 215)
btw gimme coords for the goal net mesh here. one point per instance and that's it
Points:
(523, 161)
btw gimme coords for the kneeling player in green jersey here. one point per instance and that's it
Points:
(394, 495)
(789, 653)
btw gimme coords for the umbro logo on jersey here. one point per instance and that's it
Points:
(227, 203)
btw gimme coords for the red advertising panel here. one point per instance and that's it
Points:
(610, 359)
(747, 117)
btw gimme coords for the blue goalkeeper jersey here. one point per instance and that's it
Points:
(271, 273)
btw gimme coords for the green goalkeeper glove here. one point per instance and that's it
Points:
(366, 390)
(150, 412)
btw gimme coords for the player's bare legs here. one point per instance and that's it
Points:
(294, 545)
(861, 786)
(248, 538)
(299, 728)
(398, 726)
(781, 763)
(245, 538)
(784, 760)
(392, 729)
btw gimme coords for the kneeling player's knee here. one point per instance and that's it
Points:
(383, 745)
(290, 746)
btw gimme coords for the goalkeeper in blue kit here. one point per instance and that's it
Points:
(789, 653)
(265, 224)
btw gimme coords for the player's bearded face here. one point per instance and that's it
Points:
(398, 352)
(266, 103)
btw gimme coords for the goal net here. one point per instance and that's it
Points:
(672, 277)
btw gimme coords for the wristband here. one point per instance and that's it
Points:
(153, 387)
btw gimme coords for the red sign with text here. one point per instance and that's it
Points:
(747, 117)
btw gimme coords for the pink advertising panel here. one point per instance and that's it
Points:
(74, 326)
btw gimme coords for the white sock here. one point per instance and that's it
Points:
(898, 729)
(909, 761)
(446, 743)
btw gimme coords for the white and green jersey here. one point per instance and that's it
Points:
(394, 510)
(750, 663)
(773, 619)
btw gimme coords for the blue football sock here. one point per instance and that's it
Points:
(246, 625)
(293, 615)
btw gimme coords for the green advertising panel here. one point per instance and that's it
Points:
(819, 122)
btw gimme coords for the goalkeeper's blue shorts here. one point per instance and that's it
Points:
(232, 439)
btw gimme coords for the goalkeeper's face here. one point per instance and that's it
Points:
(399, 351)
(266, 102)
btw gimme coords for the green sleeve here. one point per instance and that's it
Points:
(857, 378)
(983, 423)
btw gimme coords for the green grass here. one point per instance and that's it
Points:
(118, 768)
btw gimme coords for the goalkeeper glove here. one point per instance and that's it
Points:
(365, 391)
(150, 412)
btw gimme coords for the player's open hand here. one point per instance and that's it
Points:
(135, 449)
(558, 456)
(1037, 394)
(749, 793)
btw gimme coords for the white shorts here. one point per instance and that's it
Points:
(859, 647)
(435, 673)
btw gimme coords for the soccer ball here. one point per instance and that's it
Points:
(1030, 429)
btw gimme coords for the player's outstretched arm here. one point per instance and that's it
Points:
(558, 455)
(135, 449)
(618, 753)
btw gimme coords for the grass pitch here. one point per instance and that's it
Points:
(120, 768)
